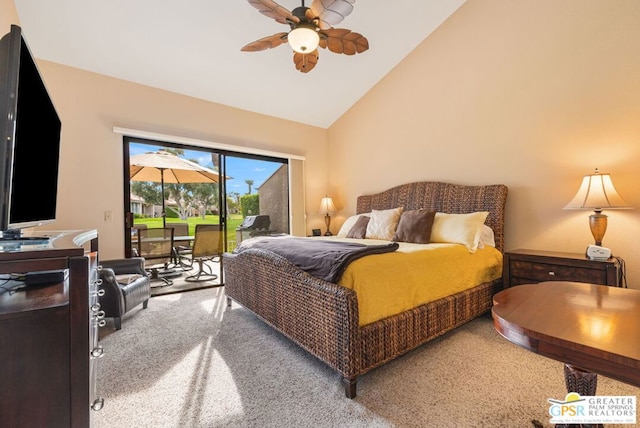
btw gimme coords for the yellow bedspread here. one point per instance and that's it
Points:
(387, 284)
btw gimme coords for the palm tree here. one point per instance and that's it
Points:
(233, 202)
(215, 160)
(249, 183)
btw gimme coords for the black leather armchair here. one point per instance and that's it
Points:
(125, 284)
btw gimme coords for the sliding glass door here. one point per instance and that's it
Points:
(172, 185)
(257, 196)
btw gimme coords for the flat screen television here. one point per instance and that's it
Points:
(30, 146)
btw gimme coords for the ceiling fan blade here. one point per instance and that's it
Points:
(305, 62)
(268, 42)
(343, 41)
(331, 12)
(274, 10)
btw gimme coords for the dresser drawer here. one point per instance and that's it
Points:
(525, 271)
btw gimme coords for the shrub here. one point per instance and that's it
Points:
(249, 205)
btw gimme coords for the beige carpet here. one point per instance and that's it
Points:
(189, 361)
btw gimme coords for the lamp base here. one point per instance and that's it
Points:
(598, 225)
(327, 222)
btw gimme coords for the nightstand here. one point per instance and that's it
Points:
(533, 266)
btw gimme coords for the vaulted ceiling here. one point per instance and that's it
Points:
(192, 47)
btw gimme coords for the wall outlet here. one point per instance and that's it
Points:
(108, 215)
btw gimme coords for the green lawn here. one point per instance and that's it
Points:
(233, 221)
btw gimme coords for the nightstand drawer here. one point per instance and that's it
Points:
(525, 272)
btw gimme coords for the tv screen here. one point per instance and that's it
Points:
(30, 146)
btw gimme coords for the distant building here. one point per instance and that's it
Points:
(274, 199)
(140, 207)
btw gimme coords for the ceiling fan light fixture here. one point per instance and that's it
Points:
(304, 38)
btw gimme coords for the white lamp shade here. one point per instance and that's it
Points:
(597, 192)
(327, 206)
(303, 39)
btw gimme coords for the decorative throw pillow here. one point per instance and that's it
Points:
(383, 223)
(415, 226)
(359, 230)
(487, 237)
(348, 225)
(458, 228)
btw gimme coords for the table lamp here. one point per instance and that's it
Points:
(597, 193)
(327, 207)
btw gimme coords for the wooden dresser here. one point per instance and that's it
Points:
(48, 332)
(533, 266)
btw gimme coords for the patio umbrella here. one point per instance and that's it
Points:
(164, 167)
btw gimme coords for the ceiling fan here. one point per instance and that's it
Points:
(311, 27)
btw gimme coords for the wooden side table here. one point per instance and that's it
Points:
(550, 318)
(533, 266)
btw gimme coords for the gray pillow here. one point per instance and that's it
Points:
(415, 226)
(359, 230)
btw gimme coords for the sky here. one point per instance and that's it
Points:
(238, 169)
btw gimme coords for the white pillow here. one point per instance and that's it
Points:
(487, 236)
(459, 228)
(383, 223)
(348, 224)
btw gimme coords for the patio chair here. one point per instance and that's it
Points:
(181, 248)
(207, 247)
(155, 245)
(134, 238)
(136, 227)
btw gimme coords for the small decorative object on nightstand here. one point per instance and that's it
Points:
(533, 266)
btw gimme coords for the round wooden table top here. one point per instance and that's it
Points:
(595, 327)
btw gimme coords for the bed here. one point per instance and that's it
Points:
(324, 318)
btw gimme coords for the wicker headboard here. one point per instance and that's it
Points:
(444, 197)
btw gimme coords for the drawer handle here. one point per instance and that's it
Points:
(98, 293)
(98, 404)
(97, 352)
(552, 273)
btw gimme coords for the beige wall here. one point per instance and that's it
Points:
(91, 178)
(533, 94)
(8, 15)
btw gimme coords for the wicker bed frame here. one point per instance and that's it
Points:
(322, 317)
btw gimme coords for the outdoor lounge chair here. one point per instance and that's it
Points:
(207, 246)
